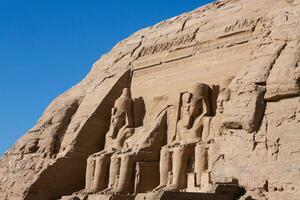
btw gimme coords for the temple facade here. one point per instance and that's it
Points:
(205, 105)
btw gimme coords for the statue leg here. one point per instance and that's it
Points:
(125, 177)
(90, 169)
(164, 167)
(101, 170)
(113, 170)
(201, 162)
(179, 169)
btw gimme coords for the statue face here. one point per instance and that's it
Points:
(190, 110)
(223, 97)
(117, 117)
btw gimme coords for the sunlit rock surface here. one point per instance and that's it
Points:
(246, 127)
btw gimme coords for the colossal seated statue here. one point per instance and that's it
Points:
(121, 128)
(143, 146)
(186, 153)
(134, 150)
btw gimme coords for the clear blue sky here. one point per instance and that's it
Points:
(47, 46)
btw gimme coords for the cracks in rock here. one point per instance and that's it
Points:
(274, 149)
(183, 25)
(254, 143)
(59, 135)
(295, 152)
(107, 77)
(221, 156)
(278, 53)
(266, 186)
(266, 131)
(134, 50)
(137, 47)
(121, 56)
(261, 104)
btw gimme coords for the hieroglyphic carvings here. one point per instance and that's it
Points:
(189, 39)
(222, 41)
(243, 24)
(195, 47)
(165, 46)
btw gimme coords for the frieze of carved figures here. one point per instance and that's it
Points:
(165, 46)
(242, 24)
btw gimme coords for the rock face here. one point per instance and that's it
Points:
(212, 98)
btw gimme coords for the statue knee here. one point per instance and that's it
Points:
(179, 150)
(125, 158)
(114, 159)
(200, 149)
(100, 159)
(90, 159)
(164, 152)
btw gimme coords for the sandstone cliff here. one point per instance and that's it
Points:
(256, 42)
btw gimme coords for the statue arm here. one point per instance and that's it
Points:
(125, 133)
(122, 129)
(127, 120)
(178, 134)
(177, 139)
(110, 131)
(147, 143)
(145, 146)
(126, 148)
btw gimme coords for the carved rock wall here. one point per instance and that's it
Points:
(256, 42)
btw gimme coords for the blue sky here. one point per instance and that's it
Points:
(48, 46)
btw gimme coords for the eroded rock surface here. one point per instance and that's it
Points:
(246, 130)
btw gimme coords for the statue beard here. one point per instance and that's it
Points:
(187, 121)
(115, 131)
(116, 125)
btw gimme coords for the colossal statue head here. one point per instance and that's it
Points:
(122, 109)
(224, 95)
(194, 103)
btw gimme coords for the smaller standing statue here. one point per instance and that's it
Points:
(216, 127)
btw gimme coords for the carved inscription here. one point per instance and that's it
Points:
(243, 24)
(222, 42)
(165, 46)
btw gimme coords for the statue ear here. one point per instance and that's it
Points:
(113, 110)
(127, 120)
(186, 97)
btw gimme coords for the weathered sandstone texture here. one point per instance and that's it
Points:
(205, 105)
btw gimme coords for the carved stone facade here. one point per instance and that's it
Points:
(205, 105)
(139, 160)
